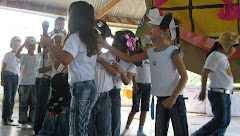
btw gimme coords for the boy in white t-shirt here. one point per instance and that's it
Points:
(27, 92)
(217, 67)
(100, 120)
(9, 79)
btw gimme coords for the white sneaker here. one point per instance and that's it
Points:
(141, 134)
(125, 131)
(26, 126)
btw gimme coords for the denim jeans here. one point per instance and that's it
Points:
(42, 105)
(27, 97)
(37, 87)
(84, 96)
(10, 89)
(177, 115)
(221, 108)
(142, 94)
(100, 120)
(116, 111)
(57, 126)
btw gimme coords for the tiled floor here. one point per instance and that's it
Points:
(195, 121)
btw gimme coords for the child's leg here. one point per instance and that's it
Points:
(162, 118)
(228, 116)
(145, 102)
(14, 91)
(6, 109)
(42, 105)
(104, 116)
(62, 123)
(116, 111)
(92, 130)
(37, 88)
(219, 105)
(179, 118)
(48, 125)
(33, 105)
(24, 96)
(84, 96)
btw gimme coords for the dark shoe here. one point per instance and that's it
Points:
(10, 120)
(5, 121)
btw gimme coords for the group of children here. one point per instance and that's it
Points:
(95, 78)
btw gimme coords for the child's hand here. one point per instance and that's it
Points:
(2, 83)
(168, 103)
(118, 68)
(45, 41)
(135, 88)
(202, 96)
(98, 58)
(65, 72)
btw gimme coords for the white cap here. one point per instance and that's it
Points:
(155, 21)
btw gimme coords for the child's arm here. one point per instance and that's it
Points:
(107, 66)
(134, 58)
(126, 79)
(17, 54)
(64, 70)
(45, 69)
(62, 56)
(178, 62)
(135, 85)
(202, 94)
(2, 74)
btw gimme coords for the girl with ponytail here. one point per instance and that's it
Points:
(168, 74)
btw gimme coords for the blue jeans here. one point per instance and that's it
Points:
(100, 120)
(221, 108)
(116, 111)
(84, 96)
(42, 105)
(58, 126)
(10, 89)
(27, 97)
(142, 94)
(37, 87)
(177, 115)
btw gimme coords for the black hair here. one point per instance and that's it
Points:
(119, 38)
(58, 19)
(215, 47)
(39, 48)
(165, 24)
(81, 21)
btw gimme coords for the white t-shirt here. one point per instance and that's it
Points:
(28, 69)
(103, 78)
(126, 67)
(56, 71)
(13, 64)
(164, 75)
(38, 59)
(143, 72)
(220, 75)
(47, 63)
(82, 67)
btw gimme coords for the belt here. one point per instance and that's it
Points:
(46, 76)
(117, 87)
(221, 90)
(8, 73)
(105, 94)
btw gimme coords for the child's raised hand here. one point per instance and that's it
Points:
(45, 41)
(168, 102)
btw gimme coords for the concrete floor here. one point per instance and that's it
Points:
(195, 121)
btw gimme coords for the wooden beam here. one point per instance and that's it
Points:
(149, 4)
(121, 20)
(107, 8)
